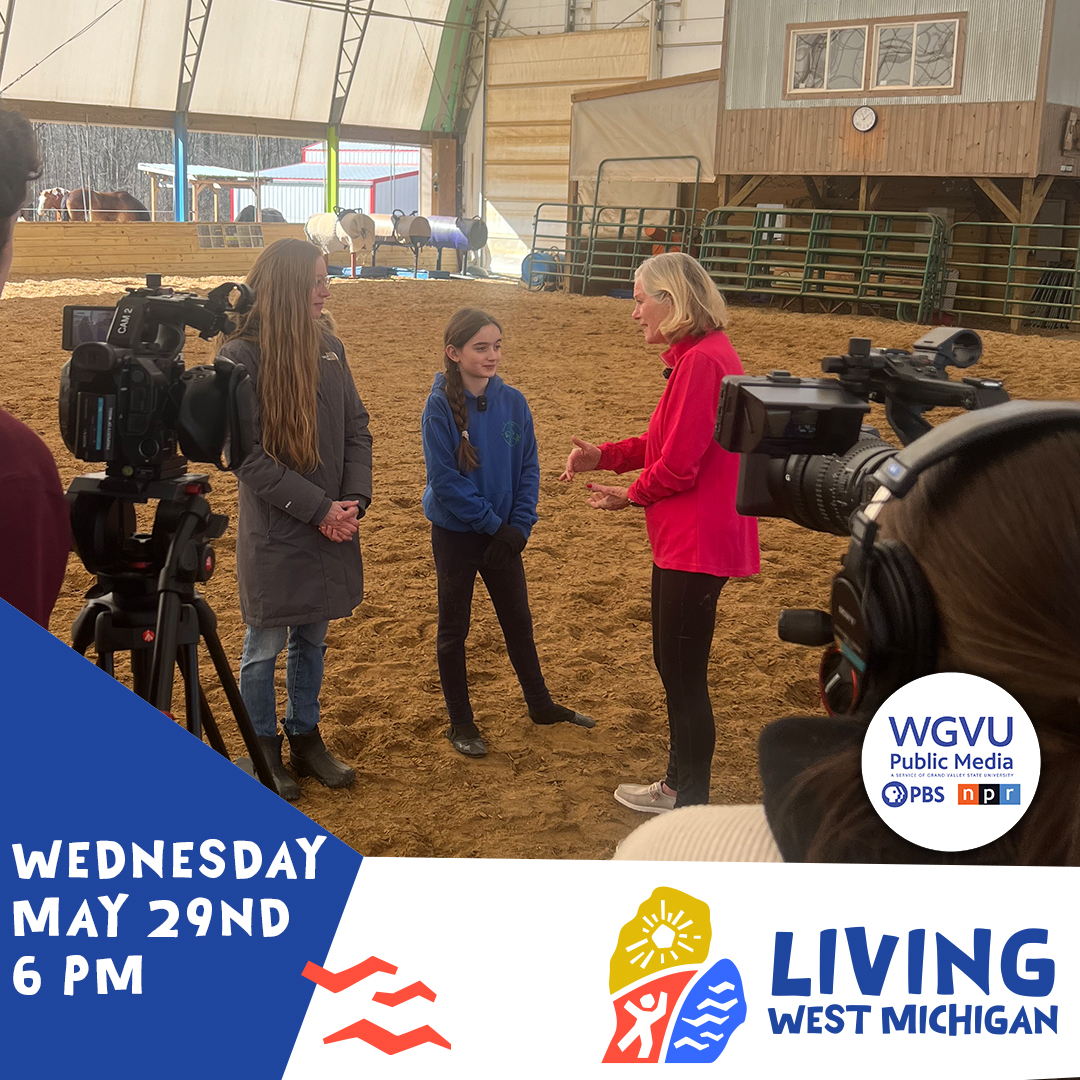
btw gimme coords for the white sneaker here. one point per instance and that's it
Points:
(648, 798)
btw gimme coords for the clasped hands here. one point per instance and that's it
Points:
(341, 522)
(585, 458)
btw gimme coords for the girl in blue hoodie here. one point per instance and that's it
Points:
(483, 482)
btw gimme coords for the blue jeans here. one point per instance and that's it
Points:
(303, 676)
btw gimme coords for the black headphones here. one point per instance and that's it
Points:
(883, 613)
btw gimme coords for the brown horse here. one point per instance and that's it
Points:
(85, 205)
(52, 199)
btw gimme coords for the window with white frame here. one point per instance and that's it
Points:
(883, 56)
(829, 59)
(915, 54)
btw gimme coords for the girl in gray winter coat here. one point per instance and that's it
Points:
(303, 489)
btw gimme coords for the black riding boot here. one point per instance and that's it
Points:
(309, 757)
(283, 783)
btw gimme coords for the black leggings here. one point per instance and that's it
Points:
(683, 619)
(458, 559)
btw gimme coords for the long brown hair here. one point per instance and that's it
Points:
(290, 344)
(463, 326)
(999, 542)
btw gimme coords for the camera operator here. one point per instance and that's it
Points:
(996, 536)
(35, 529)
(687, 488)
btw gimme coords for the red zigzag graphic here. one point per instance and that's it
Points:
(407, 993)
(387, 1041)
(336, 981)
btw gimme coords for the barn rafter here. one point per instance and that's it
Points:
(198, 14)
(6, 11)
(488, 21)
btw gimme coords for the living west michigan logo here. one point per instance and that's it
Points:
(670, 1007)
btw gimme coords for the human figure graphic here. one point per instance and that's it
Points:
(643, 1023)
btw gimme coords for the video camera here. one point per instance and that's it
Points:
(807, 456)
(126, 399)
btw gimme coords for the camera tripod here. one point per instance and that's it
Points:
(145, 601)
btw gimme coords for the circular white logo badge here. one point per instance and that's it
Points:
(951, 761)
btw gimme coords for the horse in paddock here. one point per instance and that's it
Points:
(82, 204)
(270, 216)
(52, 199)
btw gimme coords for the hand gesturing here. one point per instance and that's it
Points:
(583, 458)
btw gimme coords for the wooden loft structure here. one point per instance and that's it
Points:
(884, 109)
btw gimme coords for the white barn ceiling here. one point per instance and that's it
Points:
(267, 66)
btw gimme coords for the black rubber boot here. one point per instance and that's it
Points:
(559, 714)
(283, 783)
(309, 757)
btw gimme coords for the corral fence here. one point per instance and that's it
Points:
(1027, 274)
(584, 244)
(834, 256)
(909, 265)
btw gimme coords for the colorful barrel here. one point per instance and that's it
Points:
(400, 228)
(464, 234)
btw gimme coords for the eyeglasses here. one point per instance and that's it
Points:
(321, 282)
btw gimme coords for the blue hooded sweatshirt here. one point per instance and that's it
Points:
(506, 486)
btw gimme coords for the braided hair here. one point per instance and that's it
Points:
(460, 330)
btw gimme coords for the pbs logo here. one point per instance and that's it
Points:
(894, 794)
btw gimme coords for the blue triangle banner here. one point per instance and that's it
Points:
(165, 903)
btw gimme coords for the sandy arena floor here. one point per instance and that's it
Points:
(541, 792)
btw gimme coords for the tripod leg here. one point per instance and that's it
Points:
(187, 659)
(140, 672)
(208, 629)
(83, 629)
(213, 734)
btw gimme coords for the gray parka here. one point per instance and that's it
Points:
(289, 573)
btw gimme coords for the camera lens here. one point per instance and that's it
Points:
(822, 491)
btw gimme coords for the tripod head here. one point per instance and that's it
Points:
(104, 529)
(145, 600)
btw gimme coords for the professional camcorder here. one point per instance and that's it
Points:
(807, 456)
(126, 400)
(125, 397)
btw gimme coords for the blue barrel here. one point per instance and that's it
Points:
(464, 234)
(538, 268)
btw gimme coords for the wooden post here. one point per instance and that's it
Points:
(748, 189)
(444, 174)
(864, 192)
(814, 192)
(153, 197)
(1031, 200)
(217, 203)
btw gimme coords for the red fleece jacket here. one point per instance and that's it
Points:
(688, 482)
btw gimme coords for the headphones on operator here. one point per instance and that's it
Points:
(883, 613)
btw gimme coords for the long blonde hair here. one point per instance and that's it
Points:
(696, 304)
(290, 341)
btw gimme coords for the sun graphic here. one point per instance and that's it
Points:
(671, 929)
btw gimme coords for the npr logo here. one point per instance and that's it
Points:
(988, 794)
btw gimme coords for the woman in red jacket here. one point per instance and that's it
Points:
(687, 489)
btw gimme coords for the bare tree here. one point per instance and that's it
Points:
(107, 158)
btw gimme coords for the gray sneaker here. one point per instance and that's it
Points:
(648, 798)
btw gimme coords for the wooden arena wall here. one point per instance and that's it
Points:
(100, 249)
(95, 248)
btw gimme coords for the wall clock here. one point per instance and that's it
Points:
(864, 118)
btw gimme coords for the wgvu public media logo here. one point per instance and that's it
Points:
(951, 761)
